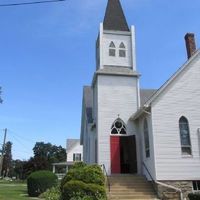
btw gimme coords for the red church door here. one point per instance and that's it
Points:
(115, 154)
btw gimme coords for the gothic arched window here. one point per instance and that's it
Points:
(146, 139)
(112, 49)
(122, 50)
(118, 127)
(185, 136)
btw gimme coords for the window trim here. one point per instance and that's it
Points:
(118, 129)
(146, 136)
(184, 120)
(112, 49)
(74, 157)
(122, 48)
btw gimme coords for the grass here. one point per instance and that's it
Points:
(13, 191)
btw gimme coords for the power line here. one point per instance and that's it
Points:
(30, 3)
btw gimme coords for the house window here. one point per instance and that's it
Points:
(196, 185)
(122, 50)
(112, 49)
(76, 157)
(146, 139)
(118, 127)
(185, 136)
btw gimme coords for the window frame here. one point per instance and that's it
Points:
(183, 121)
(197, 185)
(118, 129)
(146, 138)
(112, 49)
(122, 50)
(75, 157)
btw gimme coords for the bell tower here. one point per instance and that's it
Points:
(115, 85)
(116, 41)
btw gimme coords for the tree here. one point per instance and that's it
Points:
(44, 155)
(7, 159)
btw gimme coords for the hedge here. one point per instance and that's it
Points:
(39, 181)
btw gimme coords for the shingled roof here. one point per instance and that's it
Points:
(114, 18)
(145, 94)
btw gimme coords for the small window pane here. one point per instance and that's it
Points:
(77, 157)
(122, 46)
(112, 45)
(186, 150)
(123, 132)
(114, 131)
(122, 53)
(111, 52)
(194, 185)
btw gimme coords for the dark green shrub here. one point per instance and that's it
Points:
(86, 174)
(194, 196)
(93, 174)
(80, 190)
(39, 181)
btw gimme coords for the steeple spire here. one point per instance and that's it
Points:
(114, 18)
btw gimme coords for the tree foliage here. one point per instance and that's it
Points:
(44, 155)
(7, 160)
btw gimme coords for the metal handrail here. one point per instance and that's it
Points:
(153, 181)
(105, 173)
(162, 184)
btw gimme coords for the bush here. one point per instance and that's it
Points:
(39, 181)
(194, 196)
(51, 194)
(85, 173)
(80, 190)
(84, 182)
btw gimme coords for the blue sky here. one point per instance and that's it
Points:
(47, 54)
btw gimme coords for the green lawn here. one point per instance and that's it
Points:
(13, 191)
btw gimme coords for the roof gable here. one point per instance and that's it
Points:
(160, 91)
(114, 17)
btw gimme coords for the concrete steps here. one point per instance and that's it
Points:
(126, 187)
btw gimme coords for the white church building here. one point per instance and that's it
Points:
(155, 133)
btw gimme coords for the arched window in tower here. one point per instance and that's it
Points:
(146, 139)
(112, 49)
(122, 50)
(185, 136)
(118, 127)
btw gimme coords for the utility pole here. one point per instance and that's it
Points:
(3, 149)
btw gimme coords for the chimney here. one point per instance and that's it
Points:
(190, 44)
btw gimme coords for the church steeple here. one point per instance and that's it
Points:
(114, 17)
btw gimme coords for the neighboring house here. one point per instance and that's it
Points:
(143, 131)
(74, 152)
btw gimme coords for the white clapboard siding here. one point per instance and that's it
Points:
(181, 98)
(117, 95)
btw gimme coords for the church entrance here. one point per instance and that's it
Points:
(123, 154)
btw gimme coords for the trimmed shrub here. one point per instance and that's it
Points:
(194, 196)
(39, 181)
(86, 174)
(80, 190)
(83, 182)
(51, 194)
(93, 174)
